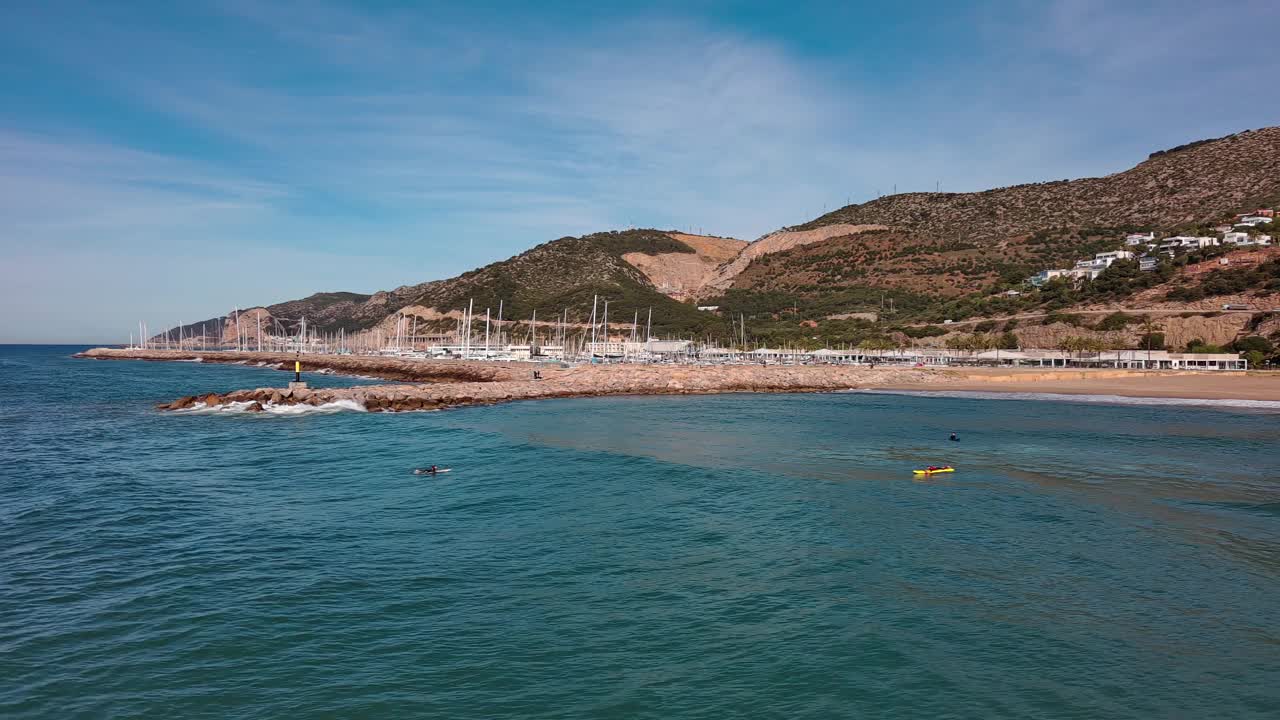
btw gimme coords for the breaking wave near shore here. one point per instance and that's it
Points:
(272, 409)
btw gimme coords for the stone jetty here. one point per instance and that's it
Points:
(437, 384)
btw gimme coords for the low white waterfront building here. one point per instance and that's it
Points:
(1132, 359)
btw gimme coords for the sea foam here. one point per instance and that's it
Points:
(270, 409)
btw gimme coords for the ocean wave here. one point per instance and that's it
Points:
(273, 410)
(191, 360)
(1264, 405)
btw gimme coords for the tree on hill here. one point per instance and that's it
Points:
(1254, 343)
(878, 343)
(1197, 345)
(1152, 337)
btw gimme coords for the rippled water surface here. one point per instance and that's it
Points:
(682, 557)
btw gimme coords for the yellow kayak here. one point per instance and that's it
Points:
(934, 471)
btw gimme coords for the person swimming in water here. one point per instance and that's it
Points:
(955, 438)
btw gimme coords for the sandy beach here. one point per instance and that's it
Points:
(435, 384)
(1209, 385)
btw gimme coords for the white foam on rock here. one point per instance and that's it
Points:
(271, 409)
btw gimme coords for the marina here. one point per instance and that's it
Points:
(461, 335)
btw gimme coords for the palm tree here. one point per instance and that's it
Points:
(1149, 328)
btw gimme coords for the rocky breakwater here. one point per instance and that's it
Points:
(386, 368)
(582, 381)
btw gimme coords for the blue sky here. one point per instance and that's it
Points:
(167, 161)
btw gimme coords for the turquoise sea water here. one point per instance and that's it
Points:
(683, 557)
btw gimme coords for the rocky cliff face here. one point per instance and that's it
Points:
(1178, 331)
(684, 275)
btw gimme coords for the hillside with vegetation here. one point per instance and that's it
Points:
(557, 276)
(565, 275)
(894, 270)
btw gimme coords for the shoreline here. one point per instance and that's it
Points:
(1183, 385)
(441, 384)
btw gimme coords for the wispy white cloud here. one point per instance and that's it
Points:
(76, 192)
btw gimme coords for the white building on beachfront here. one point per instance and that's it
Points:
(1132, 359)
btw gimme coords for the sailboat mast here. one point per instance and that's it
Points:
(471, 304)
(594, 299)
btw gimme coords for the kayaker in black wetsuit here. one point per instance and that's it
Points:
(426, 471)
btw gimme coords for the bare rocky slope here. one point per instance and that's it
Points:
(954, 243)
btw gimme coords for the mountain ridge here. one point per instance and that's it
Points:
(920, 250)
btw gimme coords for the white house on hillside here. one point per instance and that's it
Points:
(1253, 221)
(1186, 241)
(1045, 276)
(1240, 239)
(1102, 261)
(1139, 238)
